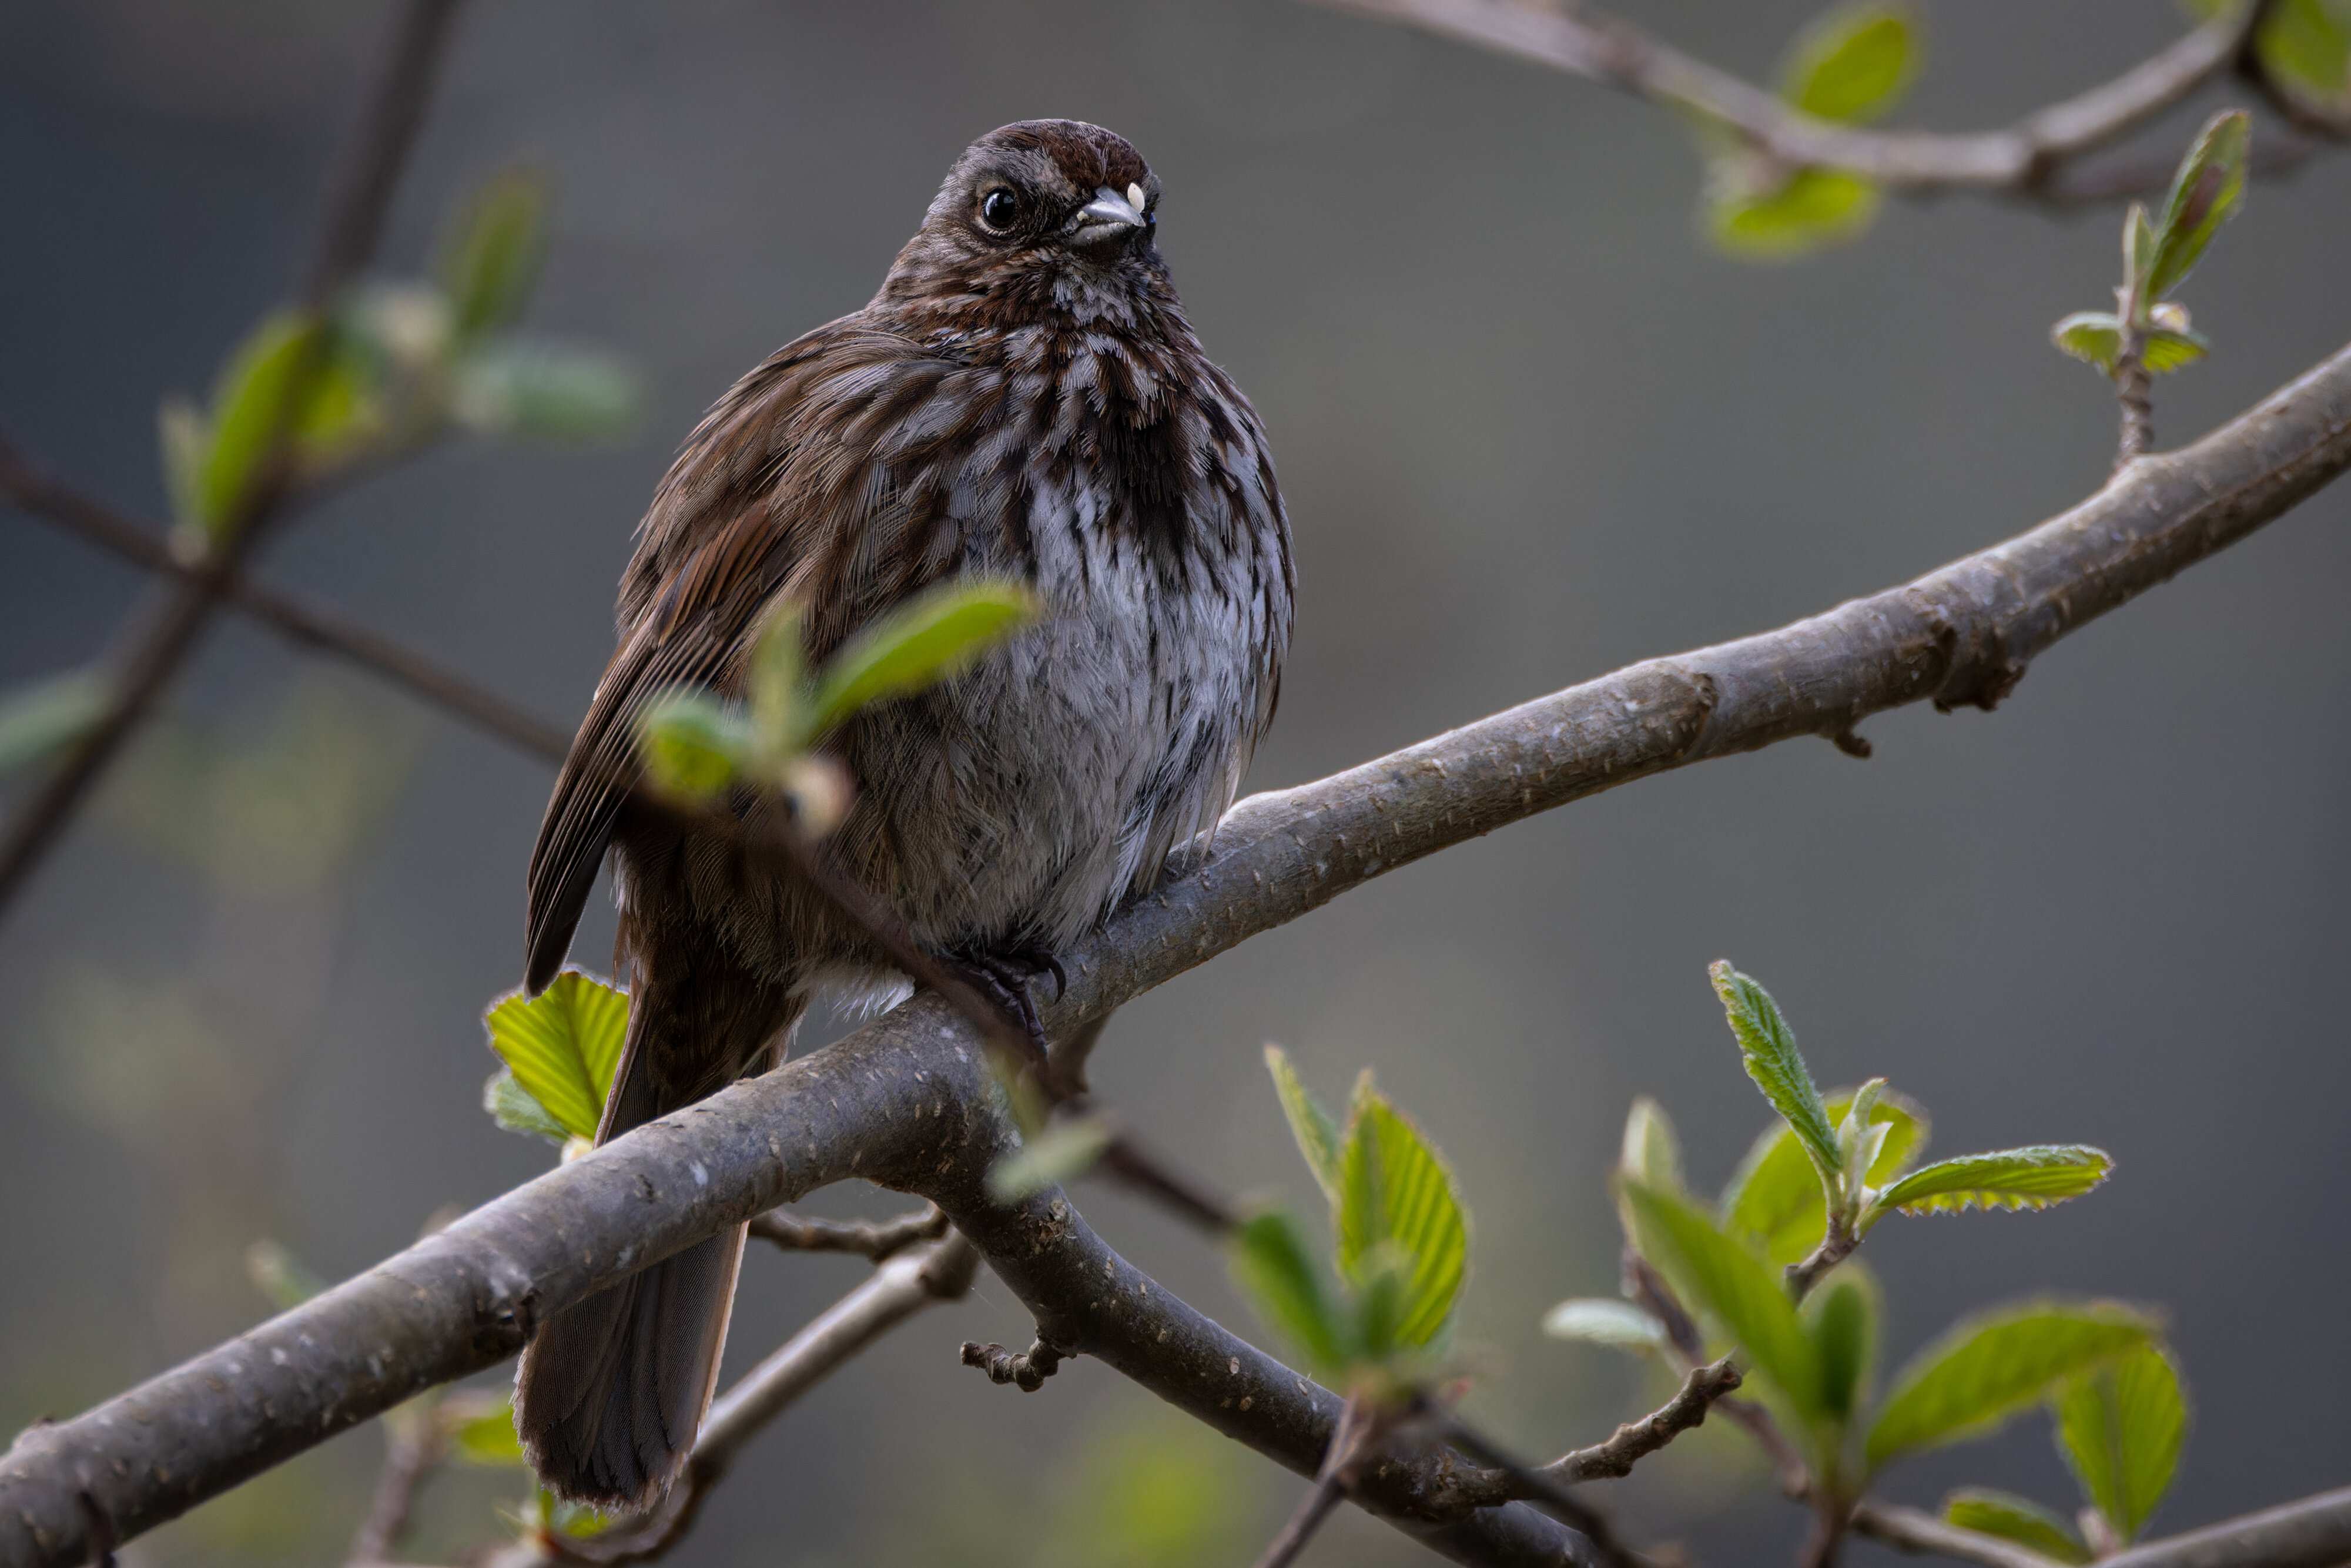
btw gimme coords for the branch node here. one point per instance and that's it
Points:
(1027, 1370)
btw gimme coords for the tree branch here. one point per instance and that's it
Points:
(877, 1239)
(1636, 1440)
(2023, 160)
(152, 649)
(907, 1101)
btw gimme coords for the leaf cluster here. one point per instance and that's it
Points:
(1401, 1240)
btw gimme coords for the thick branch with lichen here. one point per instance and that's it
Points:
(907, 1103)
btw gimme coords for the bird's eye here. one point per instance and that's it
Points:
(999, 208)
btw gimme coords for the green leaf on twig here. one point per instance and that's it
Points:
(1650, 1152)
(1394, 1186)
(2206, 193)
(47, 716)
(1767, 1047)
(545, 391)
(934, 636)
(1841, 1316)
(2010, 1178)
(694, 745)
(1777, 220)
(1060, 1152)
(1775, 1197)
(2017, 1519)
(2305, 46)
(481, 1428)
(2121, 1428)
(1732, 1284)
(563, 1046)
(1277, 1271)
(2094, 336)
(1318, 1136)
(1988, 1367)
(491, 251)
(511, 1107)
(1853, 63)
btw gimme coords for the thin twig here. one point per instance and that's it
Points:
(1331, 1483)
(1913, 1530)
(152, 649)
(872, 1238)
(1025, 1370)
(1838, 1243)
(2023, 160)
(1636, 1440)
(416, 1442)
(1528, 1483)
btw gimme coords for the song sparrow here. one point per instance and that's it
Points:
(1024, 396)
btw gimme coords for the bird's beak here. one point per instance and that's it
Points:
(1110, 213)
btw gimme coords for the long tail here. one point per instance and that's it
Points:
(610, 1393)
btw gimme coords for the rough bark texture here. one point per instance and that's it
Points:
(907, 1102)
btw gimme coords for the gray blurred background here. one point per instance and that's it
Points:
(1529, 427)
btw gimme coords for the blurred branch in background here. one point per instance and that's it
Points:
(1799, 166)
(281, 386)
(907, 1101)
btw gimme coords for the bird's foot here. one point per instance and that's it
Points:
(1004, 977)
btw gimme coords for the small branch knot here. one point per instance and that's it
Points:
(1027, 1370)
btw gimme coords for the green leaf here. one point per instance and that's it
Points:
(2010, 1178)
(481, 1428)
(776, 687)
(1731, 1283)
(2163, 349)
(2206, 193)
(491, 251)
(932, 637)
(1317, 1133)
(1841, 1316)
(1787, 218)
(277, 1274)
(1394, 1186)
(1651, 1152)
(1061, 1152)
(2120, 1429)
(511, 1107)
(1988, 1367)
(186, 442)
(563, 1045)
(2138, 258)
(251, 407)
(2095, 336)
(1774, 1197)
(1768, 1046)
(1384, 1285)
(2306, 45)
(2017, 1519)
(1276, 1270)
(47, 716)
(1604, 1320)
(694, 745)
(1853, 63)
(541, 389)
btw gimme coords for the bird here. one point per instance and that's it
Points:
(1024, 397)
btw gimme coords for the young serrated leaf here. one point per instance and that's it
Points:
(1804, 212)
(1276, 1270)
(693, 744)
(481, 1429)
(933, 637)
(1988, 1367)
(277, 1274)
(1767, 1047)
(2305, 46)
(1061, 1152)
(563, 1045)
(491, 251)
(2017, 1519)
(1853, 63)
(1774, 1197)
(1732, 1284)
(2095, 336)
(1841, 1316)
(1650, 1152)
(45, 716)
(2138, 258)
(2010, 1179)
(511, 1107)
(545, 391)
(2163, 349)
(1394, 1187)
(2121, 1429)
(2206, 193)
(1602, 1321)
(1316, 1135)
